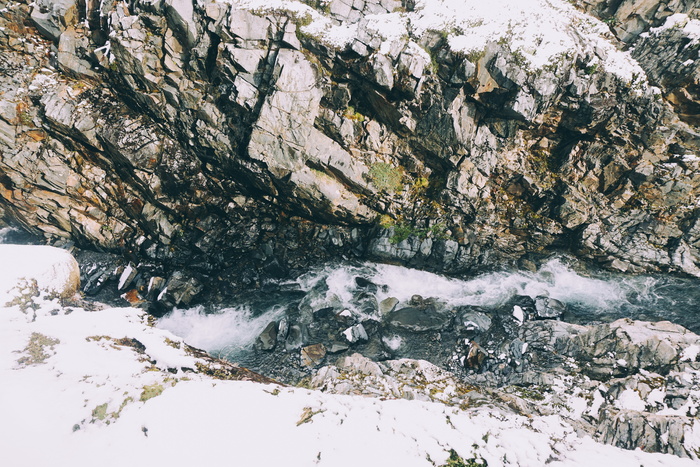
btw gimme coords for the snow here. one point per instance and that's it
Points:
(690, 27)
(690, 353)
(108, 389)
(630, 400)
(542, 31)
(54, 270)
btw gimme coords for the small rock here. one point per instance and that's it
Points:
(388, 305)
(313, 355)
(548, 308)
(295, 338)
(268, 338)
(355, 334)
(366, 284)
(337, 347)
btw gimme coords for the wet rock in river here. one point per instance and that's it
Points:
(418, 319)
(296, 337)
(268, 337)
(387, 305)
(471, 319)
(366, 285)
(548, 308)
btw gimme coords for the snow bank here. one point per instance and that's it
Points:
(53, 271)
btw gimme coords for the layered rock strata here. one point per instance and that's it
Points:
(207, 136)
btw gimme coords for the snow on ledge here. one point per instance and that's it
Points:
(541, 31)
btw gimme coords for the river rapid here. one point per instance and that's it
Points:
(326, 302)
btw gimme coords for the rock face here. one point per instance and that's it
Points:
(208, 137)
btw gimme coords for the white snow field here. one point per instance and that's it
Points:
(77, 389)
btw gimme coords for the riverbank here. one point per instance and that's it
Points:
(81, 387)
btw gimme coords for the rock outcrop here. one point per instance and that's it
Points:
(210, 137)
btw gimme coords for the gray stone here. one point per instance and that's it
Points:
(548, 308)
(417, 319)
(267, 340)
(355, 334)
(51, 17)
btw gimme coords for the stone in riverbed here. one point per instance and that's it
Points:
(313, 355)
(296, 337)
(268, 338)
(355, 334)
(418, 319)
(388, 305)
(470, 319)
(548, 308)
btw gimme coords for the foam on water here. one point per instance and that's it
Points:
(224, 332)
(231, 332)
(554, 279)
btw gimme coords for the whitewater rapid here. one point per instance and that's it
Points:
(230, 330)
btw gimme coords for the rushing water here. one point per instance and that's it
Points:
(231, 330)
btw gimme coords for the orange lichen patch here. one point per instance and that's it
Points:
(36, 135)
(133, 297)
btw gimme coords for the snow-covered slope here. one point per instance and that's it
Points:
(105, 388)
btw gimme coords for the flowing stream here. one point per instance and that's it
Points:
(230, 331)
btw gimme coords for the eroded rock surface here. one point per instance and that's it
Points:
(210, 138)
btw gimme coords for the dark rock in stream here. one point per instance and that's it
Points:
(418, 319)
(268, 338)
(548, 308)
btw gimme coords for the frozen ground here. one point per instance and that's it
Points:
(105, 388)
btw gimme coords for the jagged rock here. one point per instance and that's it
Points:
(313, 355)
(470, 319)
(52, 17)
(355, 334)
(548, 308)
(69, 57)
(204, 120)
(127, 277)
(180, 289)
(297, 336)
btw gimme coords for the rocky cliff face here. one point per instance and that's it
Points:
(209, 136)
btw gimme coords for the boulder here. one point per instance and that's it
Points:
(268, 337)
(417, 319)
(29, 270)
(313, 355)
